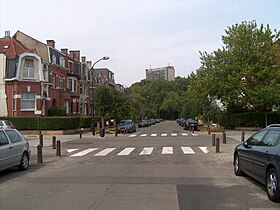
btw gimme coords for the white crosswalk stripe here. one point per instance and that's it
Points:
(204, 149)
(154, 134)
(187, 150)
(167, 150)
(143, 135)
(185, 134)
(126, 151)
(174, 134)
(164, 134)
(84, 152)
(105, 152)
(133, 135)
(147, 151)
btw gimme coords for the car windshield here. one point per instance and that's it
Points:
(124, 122)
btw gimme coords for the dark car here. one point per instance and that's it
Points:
(127, 126)
(259, 157)
(143, 123)
(190, 125)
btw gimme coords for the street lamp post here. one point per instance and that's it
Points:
(92, 92)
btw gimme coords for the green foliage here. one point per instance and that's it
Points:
(57, 111)
(51, 123)
(111, 103)
(249, 119)
(245, 72)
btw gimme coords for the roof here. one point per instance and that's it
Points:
(13, 48)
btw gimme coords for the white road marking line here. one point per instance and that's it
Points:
(204, 149)
(84, 152)
(105, 152)
(133, 135)
(187, 150)
(194, 134)
(185, 134)
(147, 151)
(143, 135)
(154, 134)
(167, 150)
(71, 150)
(126, 151)
(164, 134)
(173, 134)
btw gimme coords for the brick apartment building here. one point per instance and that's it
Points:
(35, 76)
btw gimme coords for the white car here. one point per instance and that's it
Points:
(14, 150)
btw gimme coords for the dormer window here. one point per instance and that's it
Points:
(45, 72)
(28, 69)
(62, 61)
(54, 59)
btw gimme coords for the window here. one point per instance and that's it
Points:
(75, 86)
(13, 136)
(66, 106)
(81, 89)
(54, 59)
(3, 139)
(86, 90)
(62, 61)
(27, 101)
(256, 139)
(45, 72)
(60, 82)
(70, 84)
(28, 69)
(271, 138)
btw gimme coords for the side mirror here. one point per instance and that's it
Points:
(246, 145)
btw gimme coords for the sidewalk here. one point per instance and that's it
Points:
(233, 138)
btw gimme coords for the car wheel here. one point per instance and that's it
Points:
(236, 166)
(24, 162)
(272, 185)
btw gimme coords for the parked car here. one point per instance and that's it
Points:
(143, 123)
(126, 125)
(190, 124)
(14, 150)
(259, 157)
(6, 124)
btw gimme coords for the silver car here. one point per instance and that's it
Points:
(14, 150)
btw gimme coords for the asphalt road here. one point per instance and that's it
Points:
(160, 167)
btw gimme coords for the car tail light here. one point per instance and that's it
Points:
(9, 126)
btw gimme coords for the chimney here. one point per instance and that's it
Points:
(7, 34)
(75, 54)
(51, 43)
(89, 64)
(83, 59)
(64, 51)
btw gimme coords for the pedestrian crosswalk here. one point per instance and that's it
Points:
(145, 151)
(162, 135)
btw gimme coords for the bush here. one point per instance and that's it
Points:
(57, 111)
(249, 119)
(51, 123)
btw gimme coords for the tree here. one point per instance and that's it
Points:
(245, 72)
(103, 102)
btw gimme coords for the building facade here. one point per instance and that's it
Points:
(21, 79)
(167, 73)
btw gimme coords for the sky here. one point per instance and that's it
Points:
(135, 34)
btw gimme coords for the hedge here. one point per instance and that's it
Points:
(51, 123)
(249, 119)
